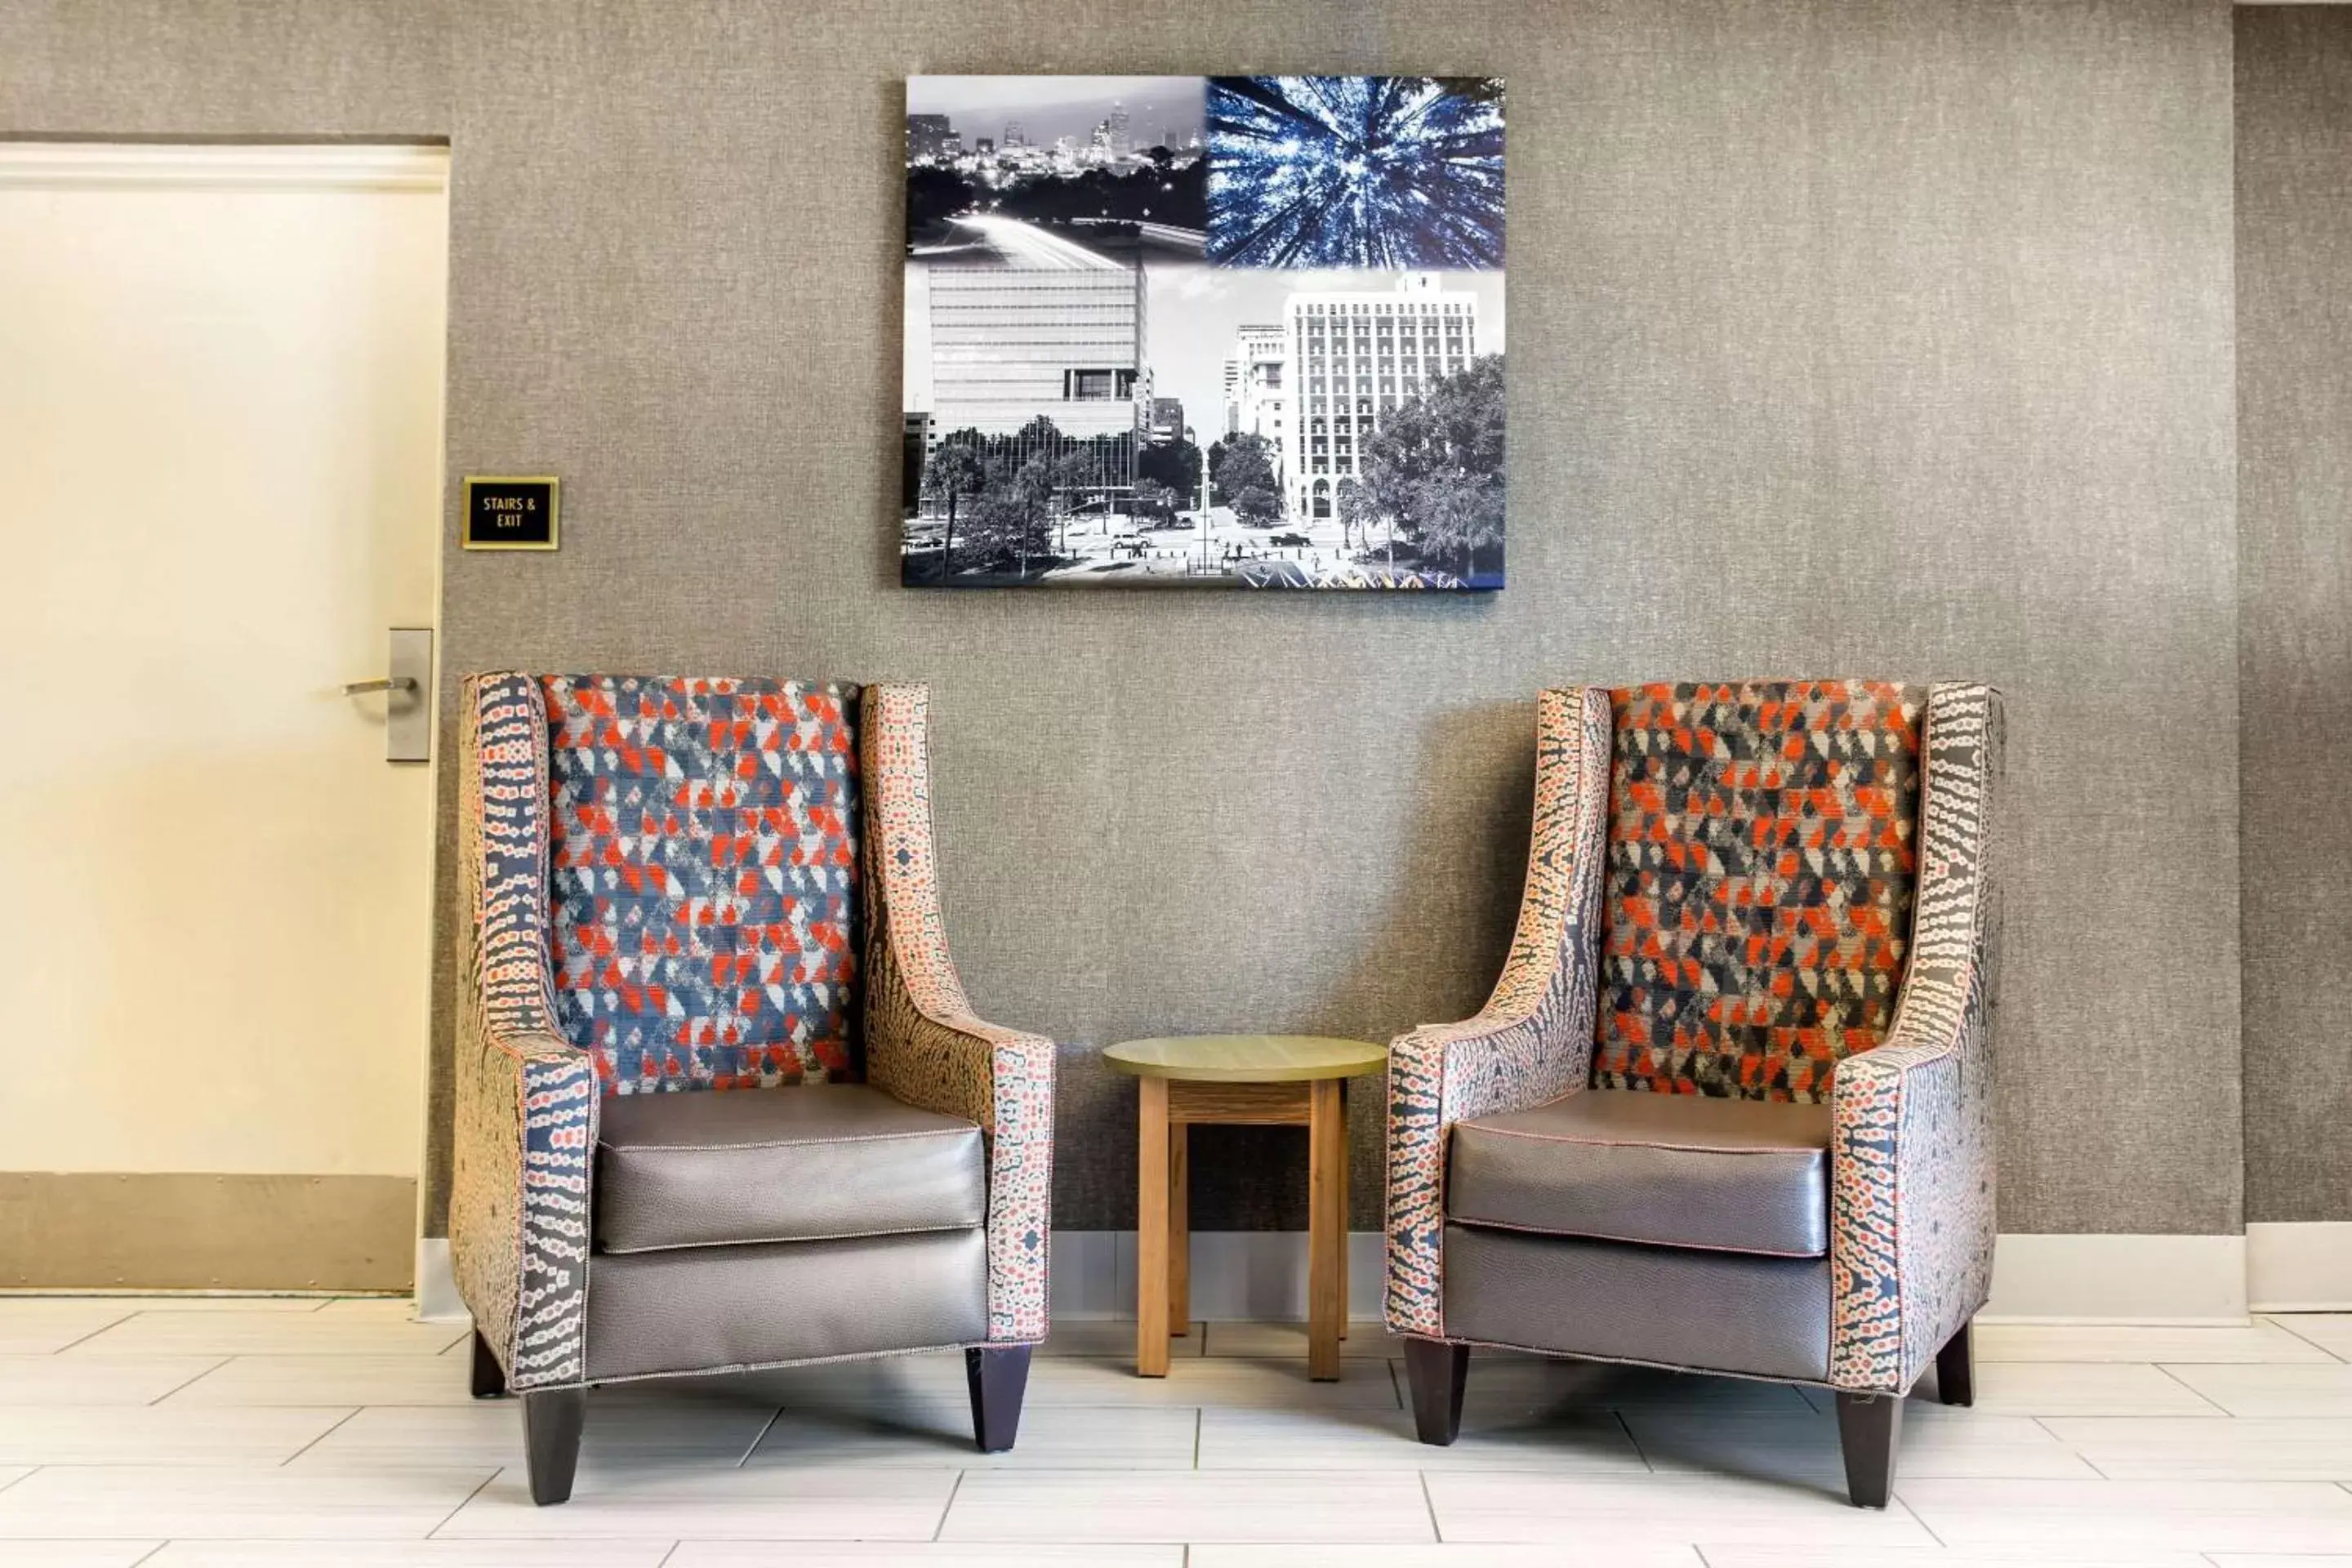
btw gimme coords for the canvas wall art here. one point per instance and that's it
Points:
(1231, 330)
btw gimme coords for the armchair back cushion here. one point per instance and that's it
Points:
(1759, 883)
(703, 873)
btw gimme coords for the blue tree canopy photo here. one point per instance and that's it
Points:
(1386, 172)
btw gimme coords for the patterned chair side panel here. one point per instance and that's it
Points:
(526, 1097)
(703, 861)
(1760, 885)
(923, 1043)
(1532, 1042)
(1912, 1180)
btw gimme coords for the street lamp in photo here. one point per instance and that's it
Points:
(1194, 436)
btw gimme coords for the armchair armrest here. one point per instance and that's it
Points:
(519, 1212)
(1911, 1140)
(1532, 1042)
(527, 1097)
(923, 1043)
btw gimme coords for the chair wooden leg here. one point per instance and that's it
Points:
(550, 1436)
(1956, 1368)
(489, 1379)
(997, 1378)
(1870, 1428)
(1438, 1371)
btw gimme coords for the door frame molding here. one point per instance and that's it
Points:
(222, 166)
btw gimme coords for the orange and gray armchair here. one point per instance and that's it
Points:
(677, 887)
(1729, 1109)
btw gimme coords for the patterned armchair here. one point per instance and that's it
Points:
(667, 883)
(1728, 1108)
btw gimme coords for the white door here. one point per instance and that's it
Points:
(220, 479)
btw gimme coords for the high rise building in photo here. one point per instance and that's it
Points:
(1010, 345)
(1355, 355)
(928, 135)
(1255, 397)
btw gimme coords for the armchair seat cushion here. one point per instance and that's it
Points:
(805, 1163)
(1670, 1170)
(1710, 1311)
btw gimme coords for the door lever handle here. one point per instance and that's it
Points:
(408, 712)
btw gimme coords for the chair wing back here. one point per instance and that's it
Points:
(703, 878)
(1761, 867)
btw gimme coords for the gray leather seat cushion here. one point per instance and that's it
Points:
(1708, 1311)
(709, 1309)
(711, 1168)
(1672, 1170)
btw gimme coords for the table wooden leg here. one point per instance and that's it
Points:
(1343, 1209)
(1327, 1228)
(1151, 1278)
(1180, 1230)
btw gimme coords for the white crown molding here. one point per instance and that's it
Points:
(139, 165)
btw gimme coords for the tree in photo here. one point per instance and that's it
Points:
(1032, 489)
(1258, 507)
(1434, 470)
(997, 522)
(1354, 504)
(1075, 474)
(955, 470)
(1242, 466)
(1155, 504)
(934, 197)
(1176, 464)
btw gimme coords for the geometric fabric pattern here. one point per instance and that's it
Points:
(703, 877)
(702, 894)
(1911, 1142)
(1532, 1042)
(1760, 883)
(527, 1099)
(923, 1044)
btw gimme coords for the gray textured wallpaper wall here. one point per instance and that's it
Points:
(2294, 552)
(1890, 338)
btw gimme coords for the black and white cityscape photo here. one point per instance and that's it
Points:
(1231, 331)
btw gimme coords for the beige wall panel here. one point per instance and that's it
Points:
(220, 432)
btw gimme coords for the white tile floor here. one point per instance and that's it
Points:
(200, 1435)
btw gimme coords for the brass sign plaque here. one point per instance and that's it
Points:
(504, 512)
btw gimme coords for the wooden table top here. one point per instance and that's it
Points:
(1247, 1058)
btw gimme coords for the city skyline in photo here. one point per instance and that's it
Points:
(1049, 108)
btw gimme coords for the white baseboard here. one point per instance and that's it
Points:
(1257, 1275)
(2073, 1279)
(436, 1283)
(2301, 1268)
(1262, 1275)
(2118, 1280)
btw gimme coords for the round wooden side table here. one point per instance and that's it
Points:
(1265, 1080)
